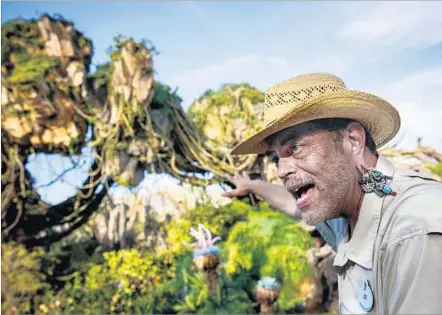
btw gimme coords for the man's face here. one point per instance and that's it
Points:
(316, 169)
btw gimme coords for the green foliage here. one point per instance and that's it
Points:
(259, 242)
(21, 278)
(128, 271)
(101, 74)
(270, 244)
(252, 94)
(83, 42)
(75, 299)
(17, 36)
(220, 115)
(287, 262)
(437, 169)
(229, 298)
(256, 242)
(219, 220)
(224, 96)
(164, 94)
(127, 281)
(31, 68)
(196, 297)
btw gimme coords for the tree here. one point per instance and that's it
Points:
(50, 100)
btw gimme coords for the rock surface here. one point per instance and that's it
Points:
(43, 83)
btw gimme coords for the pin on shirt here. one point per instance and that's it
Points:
(365, 296)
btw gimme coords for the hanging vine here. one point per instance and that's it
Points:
(49, 99)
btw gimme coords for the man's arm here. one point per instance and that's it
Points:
(277, 196)
(412, 278)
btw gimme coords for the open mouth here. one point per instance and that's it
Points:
(302, 191)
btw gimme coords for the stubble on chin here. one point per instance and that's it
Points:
(311, 218)
(317, 215)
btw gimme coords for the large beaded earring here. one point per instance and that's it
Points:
(374, 181)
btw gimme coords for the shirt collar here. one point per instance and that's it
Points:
(361, 246)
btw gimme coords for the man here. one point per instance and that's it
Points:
(385, 223)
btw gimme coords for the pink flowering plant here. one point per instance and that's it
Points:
(204, 244)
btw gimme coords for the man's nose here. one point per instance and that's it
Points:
(285, 168)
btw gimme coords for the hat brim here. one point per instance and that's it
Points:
(380, 118)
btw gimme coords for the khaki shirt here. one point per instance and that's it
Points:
(396, 248)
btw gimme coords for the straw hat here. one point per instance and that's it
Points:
(316, 96)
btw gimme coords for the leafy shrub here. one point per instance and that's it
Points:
(229, 299)
(21, 278)
(257, 241)
(219, 220)
(128, 281)
(270, 244)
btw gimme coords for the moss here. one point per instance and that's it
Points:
(83, 42)
(254, 96)
(236, 113)
(163, 94)
(19, 35)
(213, 103)
(31, 68)
(115, 55)
(223, 98)
(23, 36)
(253, 120)
(101, 74)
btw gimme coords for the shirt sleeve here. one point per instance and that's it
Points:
(333, 231)
(412, 276)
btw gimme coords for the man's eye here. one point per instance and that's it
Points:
(296, 149)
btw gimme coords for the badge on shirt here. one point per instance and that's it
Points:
(365, 296)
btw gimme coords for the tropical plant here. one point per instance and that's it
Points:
(50, 100)
(22, 278)
(270, 244)
(127, 281)
(219, 220)
(229, 299)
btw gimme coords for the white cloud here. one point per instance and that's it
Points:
(346, 42)
(259, 71)
(279, 61)
(397, 24)
(418, 98)
(254, 69)
(194, 7)
(419, 101)
(383, 30)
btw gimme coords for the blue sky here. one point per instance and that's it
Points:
(392, 49)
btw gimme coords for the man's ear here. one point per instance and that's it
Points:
(356, 139)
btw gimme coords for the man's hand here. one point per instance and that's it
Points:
(242, 183)
(277, 196)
